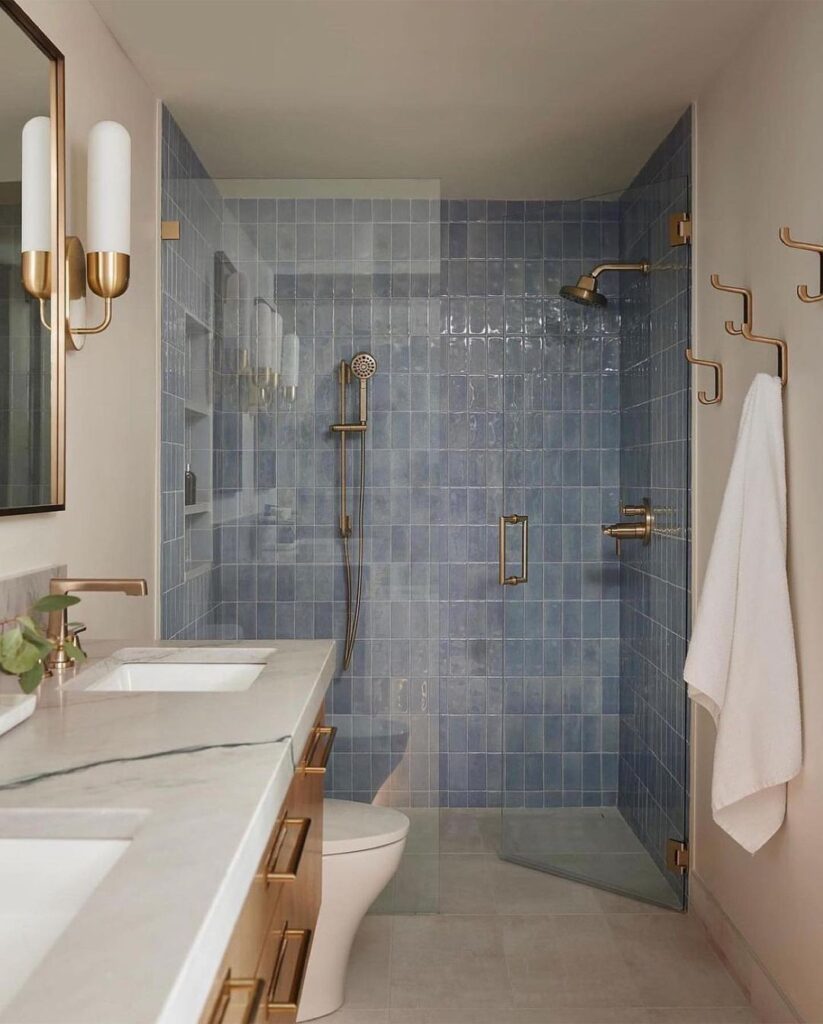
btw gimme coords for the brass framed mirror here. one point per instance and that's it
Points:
(32, 238)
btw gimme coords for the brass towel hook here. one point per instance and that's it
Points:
(702, 397)
(746, 331)
(779, 344)
(785, 236)
(747, 304)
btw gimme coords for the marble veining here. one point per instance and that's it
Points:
(156, 926)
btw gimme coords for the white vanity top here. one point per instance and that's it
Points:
(193, 782)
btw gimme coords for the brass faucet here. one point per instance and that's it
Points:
(632, 531)
(58, 628)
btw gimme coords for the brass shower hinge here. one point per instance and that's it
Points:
(680, 229)
(169, 230)
(677, 855)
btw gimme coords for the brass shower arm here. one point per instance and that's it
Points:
(643, 266)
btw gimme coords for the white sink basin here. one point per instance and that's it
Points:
(43, 884)
(178, 677)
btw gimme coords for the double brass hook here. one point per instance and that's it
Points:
(745, 328)
(785, 236)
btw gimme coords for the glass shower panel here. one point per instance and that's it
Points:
(317, 277)
(595, 415)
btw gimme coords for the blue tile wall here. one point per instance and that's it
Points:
(529, 720)
(346, 275)
(654, 462)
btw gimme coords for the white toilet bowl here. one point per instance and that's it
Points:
(362, 847)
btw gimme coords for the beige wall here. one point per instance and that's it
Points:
(109, 526)
(759, 156)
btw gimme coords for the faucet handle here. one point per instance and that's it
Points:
(73, 631)
(632, 510)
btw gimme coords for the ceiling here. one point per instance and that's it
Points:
(496, 98)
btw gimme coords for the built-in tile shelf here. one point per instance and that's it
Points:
(195, 569)
(198, 509)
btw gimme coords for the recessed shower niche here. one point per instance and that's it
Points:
(199, 432)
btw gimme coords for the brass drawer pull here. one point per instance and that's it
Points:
(231, 985)
(308, 766)
(289, 871)
(289, 935)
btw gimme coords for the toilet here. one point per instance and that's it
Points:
(362, 847)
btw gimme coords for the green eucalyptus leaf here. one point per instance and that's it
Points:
(27, 622)
(37, 640)
(29, 681)
(11, 640)
(25, 657)
(74, 651)
(55, 602)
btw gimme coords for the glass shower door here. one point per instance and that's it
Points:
(595, 416)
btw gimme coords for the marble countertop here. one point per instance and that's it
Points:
(194, 781)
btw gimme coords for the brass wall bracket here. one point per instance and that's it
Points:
(702, 396)
(680, 229)
(677, 855)
(785, 236)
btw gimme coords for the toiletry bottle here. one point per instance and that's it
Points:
(190, 488)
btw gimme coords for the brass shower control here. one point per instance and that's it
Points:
(632, 531)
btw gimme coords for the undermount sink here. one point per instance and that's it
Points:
(180, 678)
(43, 885)
(178, 670)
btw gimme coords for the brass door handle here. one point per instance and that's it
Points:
(232, 985)
(503, 522)
(308, 766)
(288, 873)
(290, 1003)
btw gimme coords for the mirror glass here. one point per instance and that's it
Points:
(30, 400)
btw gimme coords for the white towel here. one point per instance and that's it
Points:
(741, 664)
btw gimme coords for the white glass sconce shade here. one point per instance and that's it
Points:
(290, 368)
(36, 186)
(276, 342)
(108, 195)
(264, 336)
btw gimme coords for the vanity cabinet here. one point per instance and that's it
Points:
(262, 972)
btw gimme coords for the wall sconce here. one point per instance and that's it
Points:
(290, 366)
(105, 268)
(260, 382)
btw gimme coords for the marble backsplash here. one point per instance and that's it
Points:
(19, 591)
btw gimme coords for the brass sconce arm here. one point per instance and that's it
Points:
(107, 275)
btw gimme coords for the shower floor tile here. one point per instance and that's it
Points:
(511, 945)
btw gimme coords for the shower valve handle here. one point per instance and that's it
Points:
(632, 531)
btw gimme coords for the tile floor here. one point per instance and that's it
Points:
(515, 946)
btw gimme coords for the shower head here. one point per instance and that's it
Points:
(585, 292)
(364, 366)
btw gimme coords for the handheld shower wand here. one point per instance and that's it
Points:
(363, 367)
